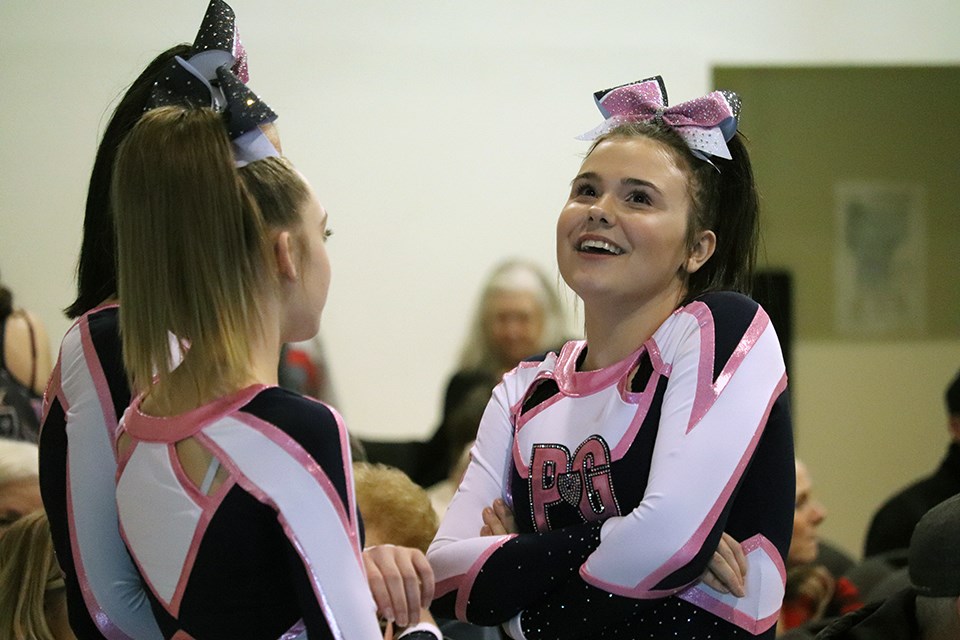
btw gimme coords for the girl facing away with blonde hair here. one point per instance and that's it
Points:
(33, 600)
(235, 496)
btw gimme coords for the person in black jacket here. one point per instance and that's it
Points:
(929, 609)
(893, 523)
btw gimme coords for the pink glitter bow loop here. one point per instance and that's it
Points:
(218, 43)
(706, 124)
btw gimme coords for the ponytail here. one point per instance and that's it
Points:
(193, 246)
(190, 246)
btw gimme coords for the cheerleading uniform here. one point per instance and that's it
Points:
(277, 541)
(85, 398)
(622, 481)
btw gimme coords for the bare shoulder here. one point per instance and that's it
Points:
(24, 356)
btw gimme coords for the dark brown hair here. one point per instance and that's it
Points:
(96, 266)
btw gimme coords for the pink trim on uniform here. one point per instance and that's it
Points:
(52, 390)
(709, 390)
(293, 449)
(99, 379)
(123, 458)
(209, 506)
(463, 593)
(707, 602)
(347, 461)
(184, 425)
(92, 362)
(298, 630)
(643, 401)
(575, 383)
(644, 589)
(298, 453)
(143, 574)
(97, 614)
(443, 587)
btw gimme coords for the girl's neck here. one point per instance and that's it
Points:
(614, 330)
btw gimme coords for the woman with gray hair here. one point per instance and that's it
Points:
(518, 315)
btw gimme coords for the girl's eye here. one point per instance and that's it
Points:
(584, 189)
(638, 197)
(327, 233)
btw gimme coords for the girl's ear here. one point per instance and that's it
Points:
(703, 247)
(286, 262)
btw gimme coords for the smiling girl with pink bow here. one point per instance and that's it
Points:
(626, 456)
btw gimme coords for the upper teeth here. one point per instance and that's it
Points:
(601, 244)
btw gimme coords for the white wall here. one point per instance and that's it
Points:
(439, 135)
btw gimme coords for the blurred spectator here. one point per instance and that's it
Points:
(893, 523)
(395, 510)
(303, 368)
(24, 368)
(813, 593)
(19, 482)
(442, 492)
(33, 599)
(929, 609)
(519, 315)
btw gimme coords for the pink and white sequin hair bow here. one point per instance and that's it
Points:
(706, 124)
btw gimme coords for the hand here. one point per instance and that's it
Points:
(813, 587)
(727, 569)
(498, 520)
(401, 581)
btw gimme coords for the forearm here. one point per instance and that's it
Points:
(515, 574)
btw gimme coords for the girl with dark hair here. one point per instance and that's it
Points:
(85, 399)
(625, 457)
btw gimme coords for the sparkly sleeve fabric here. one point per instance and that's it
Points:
(84, 399)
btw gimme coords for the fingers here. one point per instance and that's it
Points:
(505, 515)
(427, 582)
(728, 565)
(498, 520)
(491, 524)
(401, 582)
(378, 585)
(737, 552)
(712, 581)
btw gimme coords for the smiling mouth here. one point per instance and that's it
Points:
(600, 247)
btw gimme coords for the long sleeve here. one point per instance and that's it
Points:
(106, 598)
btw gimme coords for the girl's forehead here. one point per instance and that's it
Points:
(634, 156)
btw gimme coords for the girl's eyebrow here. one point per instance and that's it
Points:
(586, 175)
(635, 182)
